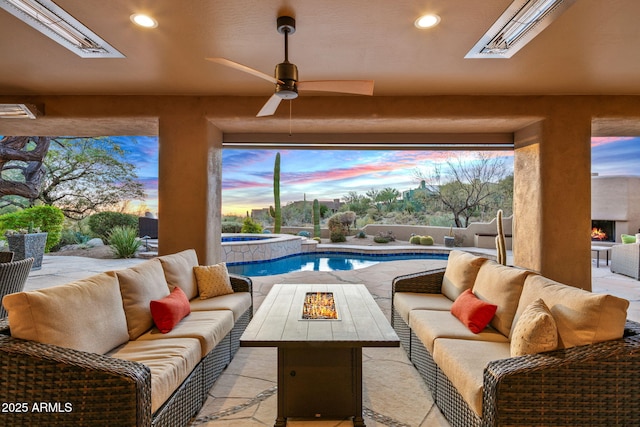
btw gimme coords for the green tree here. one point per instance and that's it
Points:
(388, 196)
(85, 175)
(469, 187)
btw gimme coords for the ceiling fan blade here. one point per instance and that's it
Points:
(270, 107)
(237, 66)
(356, 87)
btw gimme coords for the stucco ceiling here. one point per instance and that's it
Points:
(593, 48)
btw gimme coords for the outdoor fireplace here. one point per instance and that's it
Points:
(319, 306)
(603, 230)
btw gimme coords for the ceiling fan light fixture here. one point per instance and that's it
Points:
(517, 26)
(55, 23)
(18, 111)
(427, 21)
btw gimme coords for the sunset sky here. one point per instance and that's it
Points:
(247, 175)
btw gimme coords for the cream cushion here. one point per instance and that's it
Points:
(208, 327)
(404, 302)
(502, 286)
(178, 271)
(430, 326)
(581, 317)
(460, 274)
(139, 285)
(238, 303)
(213, 280)
(535, 331)
(170, 361)
(463, 363)
(84, 315)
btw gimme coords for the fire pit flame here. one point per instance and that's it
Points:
(319, 306)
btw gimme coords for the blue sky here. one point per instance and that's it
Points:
(247, 175)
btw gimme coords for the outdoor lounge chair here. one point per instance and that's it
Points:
(625, 259)
(13, 276)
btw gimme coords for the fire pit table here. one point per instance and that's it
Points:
(319, 352)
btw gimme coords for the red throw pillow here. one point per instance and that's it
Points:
(168, 311)
(472, 311)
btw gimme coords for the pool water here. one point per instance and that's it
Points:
(322, 262)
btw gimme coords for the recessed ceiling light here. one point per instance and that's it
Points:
(427, 21)
(144, 20)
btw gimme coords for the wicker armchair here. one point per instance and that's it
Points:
(625, 259)
(13, 276)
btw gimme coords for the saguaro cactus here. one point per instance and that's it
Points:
(316, 218)
(277, 210)
(501, 245)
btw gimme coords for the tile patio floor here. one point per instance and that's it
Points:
(394, 394)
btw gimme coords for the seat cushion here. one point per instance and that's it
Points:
(139, 285)
(85, 315)
(581, 317)
(404, 302)
(178, 271)
(208, 327)
(460, 274)
(238, 303)
(430, 325)
(463, 363)
(500, 285)
(170, 361)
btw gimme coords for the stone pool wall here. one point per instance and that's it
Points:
(275, 246)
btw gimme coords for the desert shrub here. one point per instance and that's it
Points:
(381, 239)
(338, 236)
(415, 240)
(304, 233)
(124, 241)
(317, 239)
(102, 223)
(426, 240)
(250, 226)
(47, 219)
(361, 235)
(231, 227)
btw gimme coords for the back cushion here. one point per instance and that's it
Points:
(500, 285)
(140, 285)
(178, 270)
(582, 317)
(84, 315)
(460, 274)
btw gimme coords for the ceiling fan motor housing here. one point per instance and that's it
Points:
(287, 73)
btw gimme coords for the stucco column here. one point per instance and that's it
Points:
(189, 187)
(552, 198)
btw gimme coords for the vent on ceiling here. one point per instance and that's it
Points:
(18, 111)
(55, 23)
(517, 26)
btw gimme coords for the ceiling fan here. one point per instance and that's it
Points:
(286, 76)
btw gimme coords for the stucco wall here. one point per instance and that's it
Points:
(617, 198)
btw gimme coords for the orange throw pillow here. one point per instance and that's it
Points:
(168, 311)
(472, 311)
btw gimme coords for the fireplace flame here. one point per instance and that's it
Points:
(319, 305)
(598, 234)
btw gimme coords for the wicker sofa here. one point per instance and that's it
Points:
(88, 352)
(590, 378)
(625, 259)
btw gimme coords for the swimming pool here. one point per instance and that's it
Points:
(323, 261)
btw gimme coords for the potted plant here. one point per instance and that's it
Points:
(450, 240)
(27, 243)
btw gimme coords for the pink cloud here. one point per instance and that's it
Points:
(599, 141)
